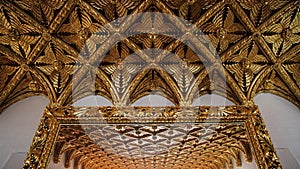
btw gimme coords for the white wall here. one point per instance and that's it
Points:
(92, 101)
(282, 119)
(19, 122)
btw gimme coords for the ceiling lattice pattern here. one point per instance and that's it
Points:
(153, 146)
(44, 46)
(152, 137)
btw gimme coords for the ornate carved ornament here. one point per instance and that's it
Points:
(152, 137)
(53, 48)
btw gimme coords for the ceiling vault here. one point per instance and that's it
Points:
(44, 45)
(126, 49)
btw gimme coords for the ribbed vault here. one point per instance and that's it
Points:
(236, 49)
(126, 49)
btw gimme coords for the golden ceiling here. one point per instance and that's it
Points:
(45, 45)
(126, 49)
(152, 137)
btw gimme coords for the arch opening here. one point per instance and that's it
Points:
(153, 100)
(92, 100)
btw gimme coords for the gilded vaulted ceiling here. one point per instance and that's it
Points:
(133, 146)
(126, 49)
(152, 137)
(45, 45)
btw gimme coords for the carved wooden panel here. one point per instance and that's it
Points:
(152, 137)
(234, 48)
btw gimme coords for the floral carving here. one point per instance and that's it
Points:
(244, 33)
(227, 26)
(79, 29)
(179, 70)
(41, 144)
(284, 34)
(7, 67)
(16, 34)
(115, 9)
(190, 10)
(268, 154)
(223, 29)
(246, 64)
(205, 142)
(261, 10)
(293, 67)
(57, 65)
(42, 10)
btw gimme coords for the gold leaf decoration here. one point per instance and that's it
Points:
(121, 78)
(190, 10)
(57, 65)
(246, 64)
(174, 49)
(43, 11)
(284, 34)
(166, 138)
(201, 143)
(152, 83)
(223, 29)
(15, 34)
(79, 29)
(7, 67)
(274, 84)
(261, 10)
(114, 57)
(48, 39)
(194, 60)
(115, 9)
(293, 67)
(154, 23)
(179, 71)
(152, 41)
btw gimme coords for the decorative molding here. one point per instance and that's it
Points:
(99, 137)
(124, 50)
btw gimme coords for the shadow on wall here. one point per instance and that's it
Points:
(18, 124)
(92, 101)
(282, 119)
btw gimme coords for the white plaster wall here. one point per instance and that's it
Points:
(19, 122)
(282, 119)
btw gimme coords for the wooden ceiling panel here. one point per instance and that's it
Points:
(249, 43)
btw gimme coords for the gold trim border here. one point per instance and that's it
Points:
(42, 145)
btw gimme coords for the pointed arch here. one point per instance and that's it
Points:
(153, 82)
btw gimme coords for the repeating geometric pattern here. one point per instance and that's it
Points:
(133, 48)
(44, 46)
(153, 146)
(152, 137)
